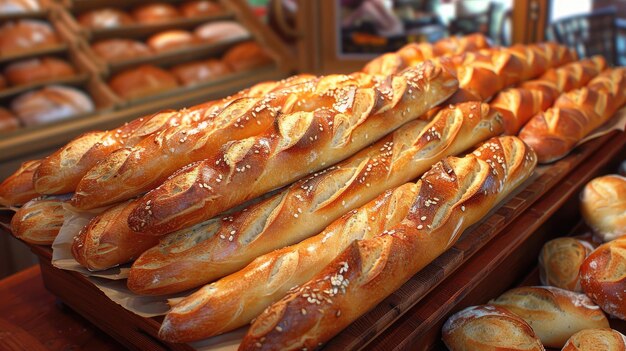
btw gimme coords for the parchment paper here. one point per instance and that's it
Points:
(617, 122)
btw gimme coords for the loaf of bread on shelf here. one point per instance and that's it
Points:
(51, 104)
(26, 35)
(596, 340)
(221, 31)
(568, 77)
(18, 189)
(554, 314)
(111, 50)
(104, 18)
(246, 56)
(157, 12)
(8, 121)
(603, 206)
(603, 278)
(554, 133)
(487, 328)
(39, 220)
(19, 6)
(197, 72)
(61, 172)
(37, 70)
(560, 260)
(171, 40)
(427, 219)
(296, 144)
(142, 81)
(200, 8)
(198, 255)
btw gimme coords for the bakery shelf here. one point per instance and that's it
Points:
(50, 50)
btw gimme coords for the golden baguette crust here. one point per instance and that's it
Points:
(200, 254)
(560, 260)
(297, 144)
(18, 188)
(453, 195)
(488, 328)
(569, 76)
(603, 206)
(603, 277)
(39, 220)
(555, 314)
(575, 114)
(596, 340)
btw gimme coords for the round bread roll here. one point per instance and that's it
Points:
(8, 122)
(246, 56)
(104, 18)
(19, 6)
(199, 8)
(155, 13)
(603, 206)
(25, 35)
(560, 260)
(200, 71)
(596, 340)
(142, 81)
(603, 277)
(215, 32)
(488, 328)
(52, 103)
(171, 39)
(38, 70)
(554, 314)
(112, 50)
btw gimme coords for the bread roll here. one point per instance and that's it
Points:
(142, 81)
(112, 50)
(104, 18)
(50, 104)
(8, 121)
(170, 40)
(155, 13)
(39, 220)
(554, 314)
(246, 56)
(487, 328)
(200, 71)
(200, 8)
(603, 277)
(560, 260)
(26, 35)
(596, 340)
(37, 70)
(603, 206)
(18, 188)
(215, 32)
(19, 6)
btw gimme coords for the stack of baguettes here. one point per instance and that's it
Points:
(334, 143)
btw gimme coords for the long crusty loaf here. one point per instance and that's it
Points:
(62, 171)
(39, 220)
(575, 114)
(132, 171)
(218, 307)
(200, 254)
(298, 144)
(453, 195)
(18, 188)
(576, 75)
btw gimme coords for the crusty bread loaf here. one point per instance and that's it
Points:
(425, 220)
(142, 81)
(155, 13)
(19, 6)
(297, 144)
(98, 245)
(488, 328)
(560, 260)
(221, 31)
(50, 104)
(200, 254)
(171, 40)
(37, 70)
(569, 76)
(554, 314)
(246, 56)
(104, 18)
(603, 277)
(18, 188)
(199, 8)
(596, 340)
(603, 206)
(8, 121)
(575, 114)
(26, 35)
(39, 220)
(196, 72)
(111, 50)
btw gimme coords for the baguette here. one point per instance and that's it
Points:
(39, 220)
(132, 171)
(18, 188)
(198, 255)
(430, 220)
(575, 114)
(218, 307)
(298, 143)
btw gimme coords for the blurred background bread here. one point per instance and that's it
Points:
(8, 121)
(200, 71)
(215, 32)
(171, 39)
(112, 50)
(26, 35)
(37, 70)
(19, 6)
(560, 260)
(155, 13)
(596, 340)
(246, 56)
(51, 103)
(199, 8)
(142, 81)
(104, 18)
(603, 206)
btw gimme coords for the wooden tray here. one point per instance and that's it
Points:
(507, 242)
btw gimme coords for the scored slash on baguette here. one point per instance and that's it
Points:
(39, 220)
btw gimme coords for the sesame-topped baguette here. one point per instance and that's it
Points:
(18, 188)
(575, 114)
(520, 104)
(200, 254)
(298, 144)
(455, 194)
(132, 171)
(414, 53)
(39, 220)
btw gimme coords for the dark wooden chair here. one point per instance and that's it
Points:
(589, 34)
